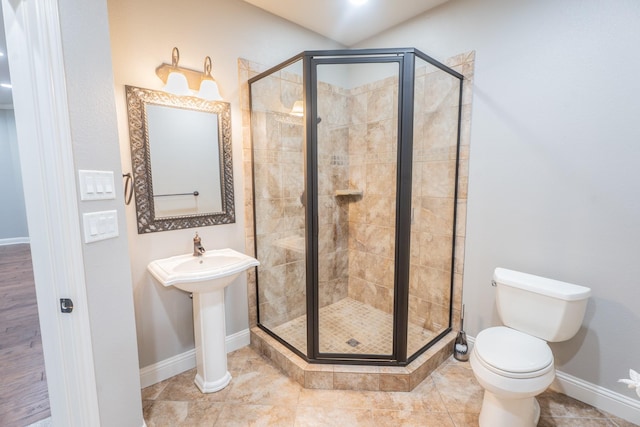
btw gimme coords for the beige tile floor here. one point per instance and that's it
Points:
(260, 395)
(350, 319)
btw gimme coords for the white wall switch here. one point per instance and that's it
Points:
(100, 225)
(96, 185)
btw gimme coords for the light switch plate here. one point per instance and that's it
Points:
(100, 225)
(96, 185)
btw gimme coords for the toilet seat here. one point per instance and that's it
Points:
(513, 354)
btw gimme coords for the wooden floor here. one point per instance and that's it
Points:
(23, 385)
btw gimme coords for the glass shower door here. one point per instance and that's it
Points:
(357, 140)
(433, 198)
(278, 170)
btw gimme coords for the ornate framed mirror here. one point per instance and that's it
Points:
(181, 159)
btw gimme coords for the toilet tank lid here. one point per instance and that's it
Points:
(553, 288)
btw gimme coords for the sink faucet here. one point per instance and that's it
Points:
(198, 249)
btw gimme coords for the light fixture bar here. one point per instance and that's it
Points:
(194, 78)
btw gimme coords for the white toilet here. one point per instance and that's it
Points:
(513, 363)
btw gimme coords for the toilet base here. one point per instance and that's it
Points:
(500, 412)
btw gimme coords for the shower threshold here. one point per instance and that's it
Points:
(352, 377)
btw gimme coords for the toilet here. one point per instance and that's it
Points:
(513, 363)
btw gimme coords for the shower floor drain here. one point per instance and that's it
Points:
(353, 342)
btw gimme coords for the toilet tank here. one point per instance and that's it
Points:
(545, 308)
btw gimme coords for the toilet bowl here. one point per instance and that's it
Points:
(514, 363)
(513, 368)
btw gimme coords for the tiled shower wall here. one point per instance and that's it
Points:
(333, 174)
(433, 196)
(464, 64)
(278, 167)
(372, 168)
(357, 132)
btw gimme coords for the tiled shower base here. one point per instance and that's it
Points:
(344, 321)
(349, 326)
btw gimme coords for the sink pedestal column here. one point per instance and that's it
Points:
(210, 336)
(206, 276)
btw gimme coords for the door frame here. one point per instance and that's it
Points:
(36, 63)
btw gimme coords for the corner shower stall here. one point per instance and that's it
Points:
(355, 172)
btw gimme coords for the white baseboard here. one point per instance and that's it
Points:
(602, 398)
(14, 241)
(599, 397)
(175, 365)
(167, 368)
(238, 340)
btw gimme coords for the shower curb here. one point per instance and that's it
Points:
(352, 377)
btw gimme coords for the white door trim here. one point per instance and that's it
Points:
(44, 138)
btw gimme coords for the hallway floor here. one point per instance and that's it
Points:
(24, 398)
(260, 395)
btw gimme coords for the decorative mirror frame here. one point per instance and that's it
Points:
(137, 98)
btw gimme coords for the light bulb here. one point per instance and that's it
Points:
(177, 84)
(209, 90)
(298, 109)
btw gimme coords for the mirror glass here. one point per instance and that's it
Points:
(181, 158)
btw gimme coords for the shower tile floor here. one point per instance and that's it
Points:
(351, 327)
(261, 395)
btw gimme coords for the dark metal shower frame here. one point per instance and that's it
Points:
(405, 57)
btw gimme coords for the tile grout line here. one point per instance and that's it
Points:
(435, 385)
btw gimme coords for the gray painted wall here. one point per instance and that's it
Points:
(555, 147)
(13, 217)
(89, 78)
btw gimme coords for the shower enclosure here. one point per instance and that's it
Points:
(355, 165)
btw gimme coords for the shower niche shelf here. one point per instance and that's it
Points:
(349, 192)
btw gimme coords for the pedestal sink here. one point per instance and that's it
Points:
(205, 277)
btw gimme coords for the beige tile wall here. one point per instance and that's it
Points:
(464, 64)
(278, 166)
(372, 169)
(333, 170)
(433, 196)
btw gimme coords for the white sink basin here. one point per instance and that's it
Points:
(212, 271)
(205, 277)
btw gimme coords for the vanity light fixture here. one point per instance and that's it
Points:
(5, 85)
(183, 81)
(298, 109)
